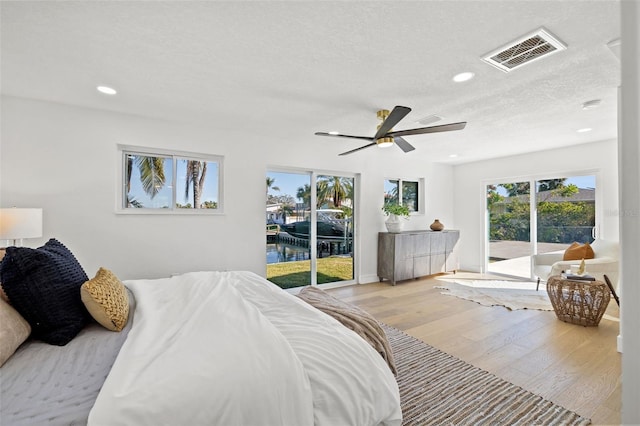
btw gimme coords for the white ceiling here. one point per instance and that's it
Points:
(289, 69)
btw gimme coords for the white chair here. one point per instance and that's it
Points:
(605, 262)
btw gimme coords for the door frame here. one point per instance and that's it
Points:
(313, 252)
(533, 225)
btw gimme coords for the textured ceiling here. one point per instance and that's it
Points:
(290, 69)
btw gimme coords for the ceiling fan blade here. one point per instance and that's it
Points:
(403, 144)
(358, 149)
(432, 129)
(339, 135)
(398, 113)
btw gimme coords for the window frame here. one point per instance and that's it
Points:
(419, 192)
(175, 156)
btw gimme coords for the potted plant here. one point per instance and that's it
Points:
(395, 211)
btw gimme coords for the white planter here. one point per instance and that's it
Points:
(394, 223)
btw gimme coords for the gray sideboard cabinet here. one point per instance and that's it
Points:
(413, 254)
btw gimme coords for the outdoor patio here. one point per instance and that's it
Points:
(513, 258)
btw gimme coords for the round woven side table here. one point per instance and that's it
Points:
(578, 302)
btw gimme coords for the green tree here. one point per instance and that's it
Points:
(152, 176)
(333, 190)
(304, 193)
(286, 210)
(270, 182)
(493, 196)
(515, 189)
(558, 221)
(550, 184)
(281, 199)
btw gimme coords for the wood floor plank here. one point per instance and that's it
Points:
(574, 366)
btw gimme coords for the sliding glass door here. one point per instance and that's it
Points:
(335, 228)
(287, 212)
(509, 228)
(310, 228)
(565, 212)
(522, 222)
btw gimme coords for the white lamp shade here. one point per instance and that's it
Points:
(16, 223)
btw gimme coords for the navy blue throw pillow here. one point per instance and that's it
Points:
(43, 284)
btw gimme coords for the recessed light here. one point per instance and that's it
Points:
(595, 103)
(334, 133)
(453, 155)
(463, 76)
(106, 90)
(584, 130)
(429, 119)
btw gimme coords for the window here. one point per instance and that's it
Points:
(156, 180)
(405, 190)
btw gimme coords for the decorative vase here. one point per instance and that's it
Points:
(393, 224)
(436, 225)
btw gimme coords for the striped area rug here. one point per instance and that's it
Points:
(439, 389)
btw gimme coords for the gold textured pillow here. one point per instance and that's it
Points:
(577, 251)
(106, 299)
(13, 330)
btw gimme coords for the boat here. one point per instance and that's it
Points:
(328, 226)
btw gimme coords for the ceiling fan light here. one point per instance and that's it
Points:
(384, 142)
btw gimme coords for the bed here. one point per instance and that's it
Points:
(225, 348)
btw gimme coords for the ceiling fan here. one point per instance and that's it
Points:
(386, 137)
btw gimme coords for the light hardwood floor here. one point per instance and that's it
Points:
(574, 366)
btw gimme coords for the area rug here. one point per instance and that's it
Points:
(439, 389)
(512, 295)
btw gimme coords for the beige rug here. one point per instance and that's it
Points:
(439, 389)
(512, 295)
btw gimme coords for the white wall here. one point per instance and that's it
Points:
(470, 179)
(630, 210)
(64, 159)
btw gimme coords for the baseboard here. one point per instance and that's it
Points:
(367, 279)
(620, 343)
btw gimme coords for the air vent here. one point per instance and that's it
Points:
(529, 48)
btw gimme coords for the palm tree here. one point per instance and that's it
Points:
(196, 172)
(270, 182)
(304, 194)
(286, 209)
(334, 189)
(151, 176)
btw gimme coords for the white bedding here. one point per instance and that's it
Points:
(230, 348)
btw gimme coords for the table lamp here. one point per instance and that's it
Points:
(17, 224)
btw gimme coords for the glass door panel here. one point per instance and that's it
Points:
(565, 212)
(509, 225)
(335, 225)
(287, 228)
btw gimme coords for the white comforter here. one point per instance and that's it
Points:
(230, 348)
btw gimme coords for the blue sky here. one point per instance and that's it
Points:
(288, 183)
(582, 181)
